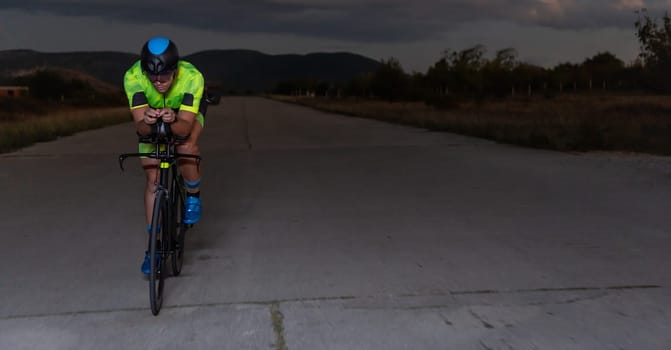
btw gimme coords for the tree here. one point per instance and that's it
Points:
(359, 86)
(655, 43)
(390, 82)
(498, 73)
(467, 66)
(566, 76)
(438, 77)
(603, 68)
(529, 77)
(505, 59)
(654, 39)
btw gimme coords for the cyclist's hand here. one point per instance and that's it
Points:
(151, 115)
(168, 115)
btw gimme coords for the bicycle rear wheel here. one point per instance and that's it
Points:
(178, 227)
(157, 249)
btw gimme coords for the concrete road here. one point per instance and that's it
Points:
(322, 231)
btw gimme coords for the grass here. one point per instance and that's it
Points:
(22, 130)
(565, 123)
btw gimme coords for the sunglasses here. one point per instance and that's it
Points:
(161, 78)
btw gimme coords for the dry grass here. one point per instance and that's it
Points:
(30, 128)
(566, 123)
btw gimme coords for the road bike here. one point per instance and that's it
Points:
(166, 237)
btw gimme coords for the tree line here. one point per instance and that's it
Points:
(470, 74)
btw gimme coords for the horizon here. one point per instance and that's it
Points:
(627, 63)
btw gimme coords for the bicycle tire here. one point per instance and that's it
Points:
(178, 228)
(157, 249)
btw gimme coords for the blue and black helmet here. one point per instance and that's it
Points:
(159, 56)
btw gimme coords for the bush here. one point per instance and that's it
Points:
(442, 101)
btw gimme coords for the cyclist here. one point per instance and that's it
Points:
(160, 85)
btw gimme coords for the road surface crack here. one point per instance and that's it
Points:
(274, 304)
(278, 326)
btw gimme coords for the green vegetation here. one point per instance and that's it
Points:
(61, 103)
(469, 74)
(565, 123)
(599, 104)
(655, 43)
(25, 131)
(68, 87)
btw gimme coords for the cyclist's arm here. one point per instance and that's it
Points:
(183, 123)
(144, 117)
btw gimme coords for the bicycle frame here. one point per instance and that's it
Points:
(168, 190)
(165, 151)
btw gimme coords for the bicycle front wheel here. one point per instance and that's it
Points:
(178, 227)
(158, 253)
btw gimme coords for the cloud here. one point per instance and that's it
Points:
(544, 32)
(352, 20)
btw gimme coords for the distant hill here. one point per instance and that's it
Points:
(106, 66)
(238, 70)
(99, 85)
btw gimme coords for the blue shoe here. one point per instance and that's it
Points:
(145, 265)
(192, 214)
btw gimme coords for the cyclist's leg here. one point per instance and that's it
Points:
(191, 172)
(150, 167)
(187, 167)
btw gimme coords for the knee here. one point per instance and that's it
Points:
(188, 148)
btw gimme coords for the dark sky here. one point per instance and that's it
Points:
(544, 32)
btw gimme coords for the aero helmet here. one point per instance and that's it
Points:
(159, 56)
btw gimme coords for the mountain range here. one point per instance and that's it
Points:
(227, 70)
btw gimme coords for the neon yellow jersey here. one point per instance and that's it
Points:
(184, 94)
